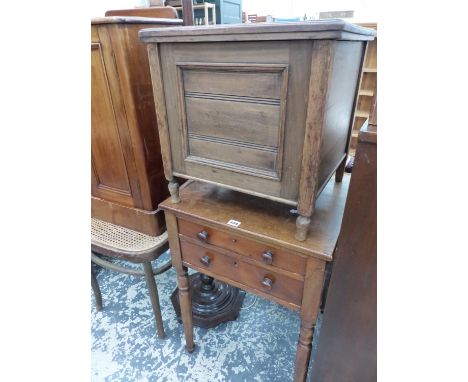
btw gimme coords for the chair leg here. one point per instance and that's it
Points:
(96, 290)
(153, 292)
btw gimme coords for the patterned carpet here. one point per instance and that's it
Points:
(259, 346)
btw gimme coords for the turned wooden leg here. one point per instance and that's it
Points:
(313, 284)
(174, 191)
(96, 290)
(340, 171)
(302, 226)
(186, 307)
(154, 297)
(304, 348)
(182, 280)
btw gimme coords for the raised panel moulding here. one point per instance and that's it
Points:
(233, 115)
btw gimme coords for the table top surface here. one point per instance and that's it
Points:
(265, 220)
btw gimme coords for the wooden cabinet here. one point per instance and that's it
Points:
(262, 109)
(127, 180)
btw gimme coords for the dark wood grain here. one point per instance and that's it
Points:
(347, 348)
(187, 12)
(234, 268)
(146, 22)
(279, 258)
(150, 12)
(149, 222)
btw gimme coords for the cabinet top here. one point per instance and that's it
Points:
(134, 20)
(320, 29)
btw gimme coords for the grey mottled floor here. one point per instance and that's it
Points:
(259, 346)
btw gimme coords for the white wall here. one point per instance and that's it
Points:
(364, 10)
(99, 7)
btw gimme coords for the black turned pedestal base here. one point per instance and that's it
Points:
(213, 301)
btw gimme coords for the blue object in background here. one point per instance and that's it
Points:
(228, 11)
(289, 20)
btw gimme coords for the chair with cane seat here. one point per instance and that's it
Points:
(125, 244)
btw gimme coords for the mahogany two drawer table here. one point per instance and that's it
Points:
(248, 242)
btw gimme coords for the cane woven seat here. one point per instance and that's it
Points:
(120, 237)
(127, 243)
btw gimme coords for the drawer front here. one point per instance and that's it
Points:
(278, 285)
(256, 251)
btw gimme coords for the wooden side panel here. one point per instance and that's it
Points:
(339, 110)
(148, 222)
(109, 182)
(347, 348)
(135, 80)
(321, 68)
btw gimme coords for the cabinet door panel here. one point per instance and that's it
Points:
(236, 117)
(110, 179)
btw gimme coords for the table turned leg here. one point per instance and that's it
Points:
(302, 226)
(313, 283)
(340, 171)
(174, 191)
(304, 348)
(182, 280)
(186, 307)
(96, 290)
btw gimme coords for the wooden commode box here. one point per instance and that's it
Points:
(263, 109)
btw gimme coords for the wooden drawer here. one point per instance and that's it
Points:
(282, 287)
(254, 250)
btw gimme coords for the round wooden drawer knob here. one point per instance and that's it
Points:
(205, 260)
(267, 257)
(267, 282)
(203, 236)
